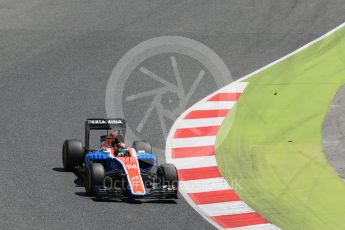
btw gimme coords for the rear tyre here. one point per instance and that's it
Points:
(142, 146)
(94, 176)
(72, 154)
(167, 175)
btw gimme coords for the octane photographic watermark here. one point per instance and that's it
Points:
(122, 183)
(158, 79)
(235, 183)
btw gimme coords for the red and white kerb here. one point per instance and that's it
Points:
(191, 147)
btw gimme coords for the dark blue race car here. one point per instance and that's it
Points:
(131, 175)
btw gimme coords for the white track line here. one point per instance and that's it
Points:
(194, 162)
(226, 208)
(204, 185)
(191, 123)
(192, 142)
(234, 88)
(257, 227)
(214, 105)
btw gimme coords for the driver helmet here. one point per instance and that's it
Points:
(122, 149)
(121, 145)
(112, 135)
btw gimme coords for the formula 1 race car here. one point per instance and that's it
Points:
(125, 176)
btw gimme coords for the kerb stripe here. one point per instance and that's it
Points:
(196, 132)
(197, 114)
(192, 151)
(239, 220)
(214, 196)
(198, 173)
(225, 97)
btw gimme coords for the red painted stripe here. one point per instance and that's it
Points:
(239, 220)
(214, 196)
(196, 132)
(193, 151)
(198, 173)
(225, 97)
(197, 114)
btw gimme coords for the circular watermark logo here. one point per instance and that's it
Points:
(157, 80)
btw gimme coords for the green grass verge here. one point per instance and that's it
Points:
(270, 146)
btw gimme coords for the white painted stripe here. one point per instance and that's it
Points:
(257, 227)
(213, 105)
(225, 208)
(191, 123)
(204, 185)
(236, 87)
(191, 142)
(194, 162)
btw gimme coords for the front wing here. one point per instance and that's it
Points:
(160, 192)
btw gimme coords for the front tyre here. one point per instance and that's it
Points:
(72, 154)
(94, 176)
(167, 175)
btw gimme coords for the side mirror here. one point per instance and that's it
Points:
(103, 138)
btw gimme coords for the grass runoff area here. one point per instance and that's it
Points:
(271, 143)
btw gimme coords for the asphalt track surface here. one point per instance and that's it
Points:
(334, 132)
(55, 61)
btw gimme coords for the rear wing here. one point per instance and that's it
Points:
(117, 124)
